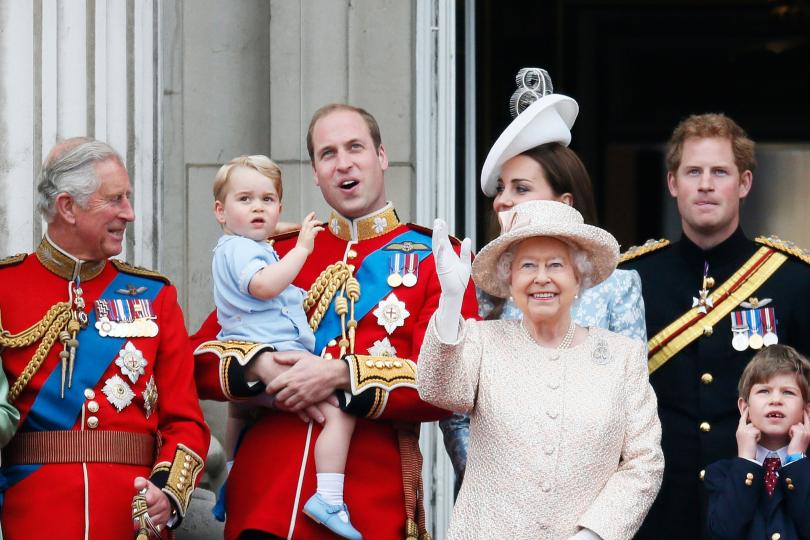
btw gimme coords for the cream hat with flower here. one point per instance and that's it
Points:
(540, 117)
(545, 218)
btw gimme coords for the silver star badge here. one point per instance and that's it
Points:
(131, 362)
(150, 397)
(382, 347)
(118, 392)
(391, 313)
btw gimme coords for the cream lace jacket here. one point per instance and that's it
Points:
(559, 439)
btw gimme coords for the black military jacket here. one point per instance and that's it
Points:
(697, 388)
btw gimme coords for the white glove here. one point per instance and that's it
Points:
(586, 534)
(454, 275)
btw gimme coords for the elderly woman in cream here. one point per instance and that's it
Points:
(564, 436)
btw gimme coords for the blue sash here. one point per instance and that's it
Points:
(372, 276)
(94, 355)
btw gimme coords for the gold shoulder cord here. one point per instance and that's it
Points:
(336, 277)
(48, 329)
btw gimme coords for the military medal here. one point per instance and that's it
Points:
(394, 270)
(118, 392)
(755, 340)
(150, 396)
(411, 270)
(770, 337)
(391, 313)
(382, 347)
(704, 302)
(739, 329)
(131, 362)
(125, 318)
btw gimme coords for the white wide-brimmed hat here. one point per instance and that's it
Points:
(545, 218)
(547, 120)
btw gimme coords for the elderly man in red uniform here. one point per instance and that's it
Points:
(100, 367)
(372, 286)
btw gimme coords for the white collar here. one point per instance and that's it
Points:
(763, 452)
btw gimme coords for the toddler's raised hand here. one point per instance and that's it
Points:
(309, 230)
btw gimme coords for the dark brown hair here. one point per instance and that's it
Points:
(775, 360)
(371, 122)
(705, 126)
(565, 173)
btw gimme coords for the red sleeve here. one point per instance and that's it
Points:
(404, 403)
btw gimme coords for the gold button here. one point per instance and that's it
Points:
(707, 378)
(352, 254)
(748, 482)
(708, 330)
(92, 406)
(92, 422)
(788, 480)
(702, 474)
(791, 487)
(331, 343)
(705, 427)
(749, 476)
(709, 282)
(776, 536)
(89, 394)
(327, 356)
(369, 363)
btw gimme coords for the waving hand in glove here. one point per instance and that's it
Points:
(454, 275)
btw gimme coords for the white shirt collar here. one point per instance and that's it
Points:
(763, 452)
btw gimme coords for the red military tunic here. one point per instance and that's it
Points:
(263, 490)
(151, 397)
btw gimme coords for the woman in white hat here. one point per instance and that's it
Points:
(531, 161)
(564, 434)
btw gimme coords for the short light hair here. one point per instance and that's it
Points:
(583, 266)
(71, 168)
(262, 164)
(705, 126)
(368, 118)
(775, 360)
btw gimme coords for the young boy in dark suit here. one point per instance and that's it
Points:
(765, 491)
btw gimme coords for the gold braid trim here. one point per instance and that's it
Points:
(785, 246)
(323, 290)
(48, 329)
(648, 247)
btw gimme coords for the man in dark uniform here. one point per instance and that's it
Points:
(714, 297)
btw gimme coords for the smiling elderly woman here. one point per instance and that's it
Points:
(564, 436)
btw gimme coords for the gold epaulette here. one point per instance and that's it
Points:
(13, 260)
(785, 246)
(125, 267)
(428, 231)
(647, 247)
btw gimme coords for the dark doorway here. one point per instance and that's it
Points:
(637, 68)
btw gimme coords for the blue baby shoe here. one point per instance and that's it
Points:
(334, 517)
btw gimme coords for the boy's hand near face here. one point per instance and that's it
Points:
(799, 436)
(748, 436)
(309, 230)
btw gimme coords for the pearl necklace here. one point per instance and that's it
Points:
(567, 340)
